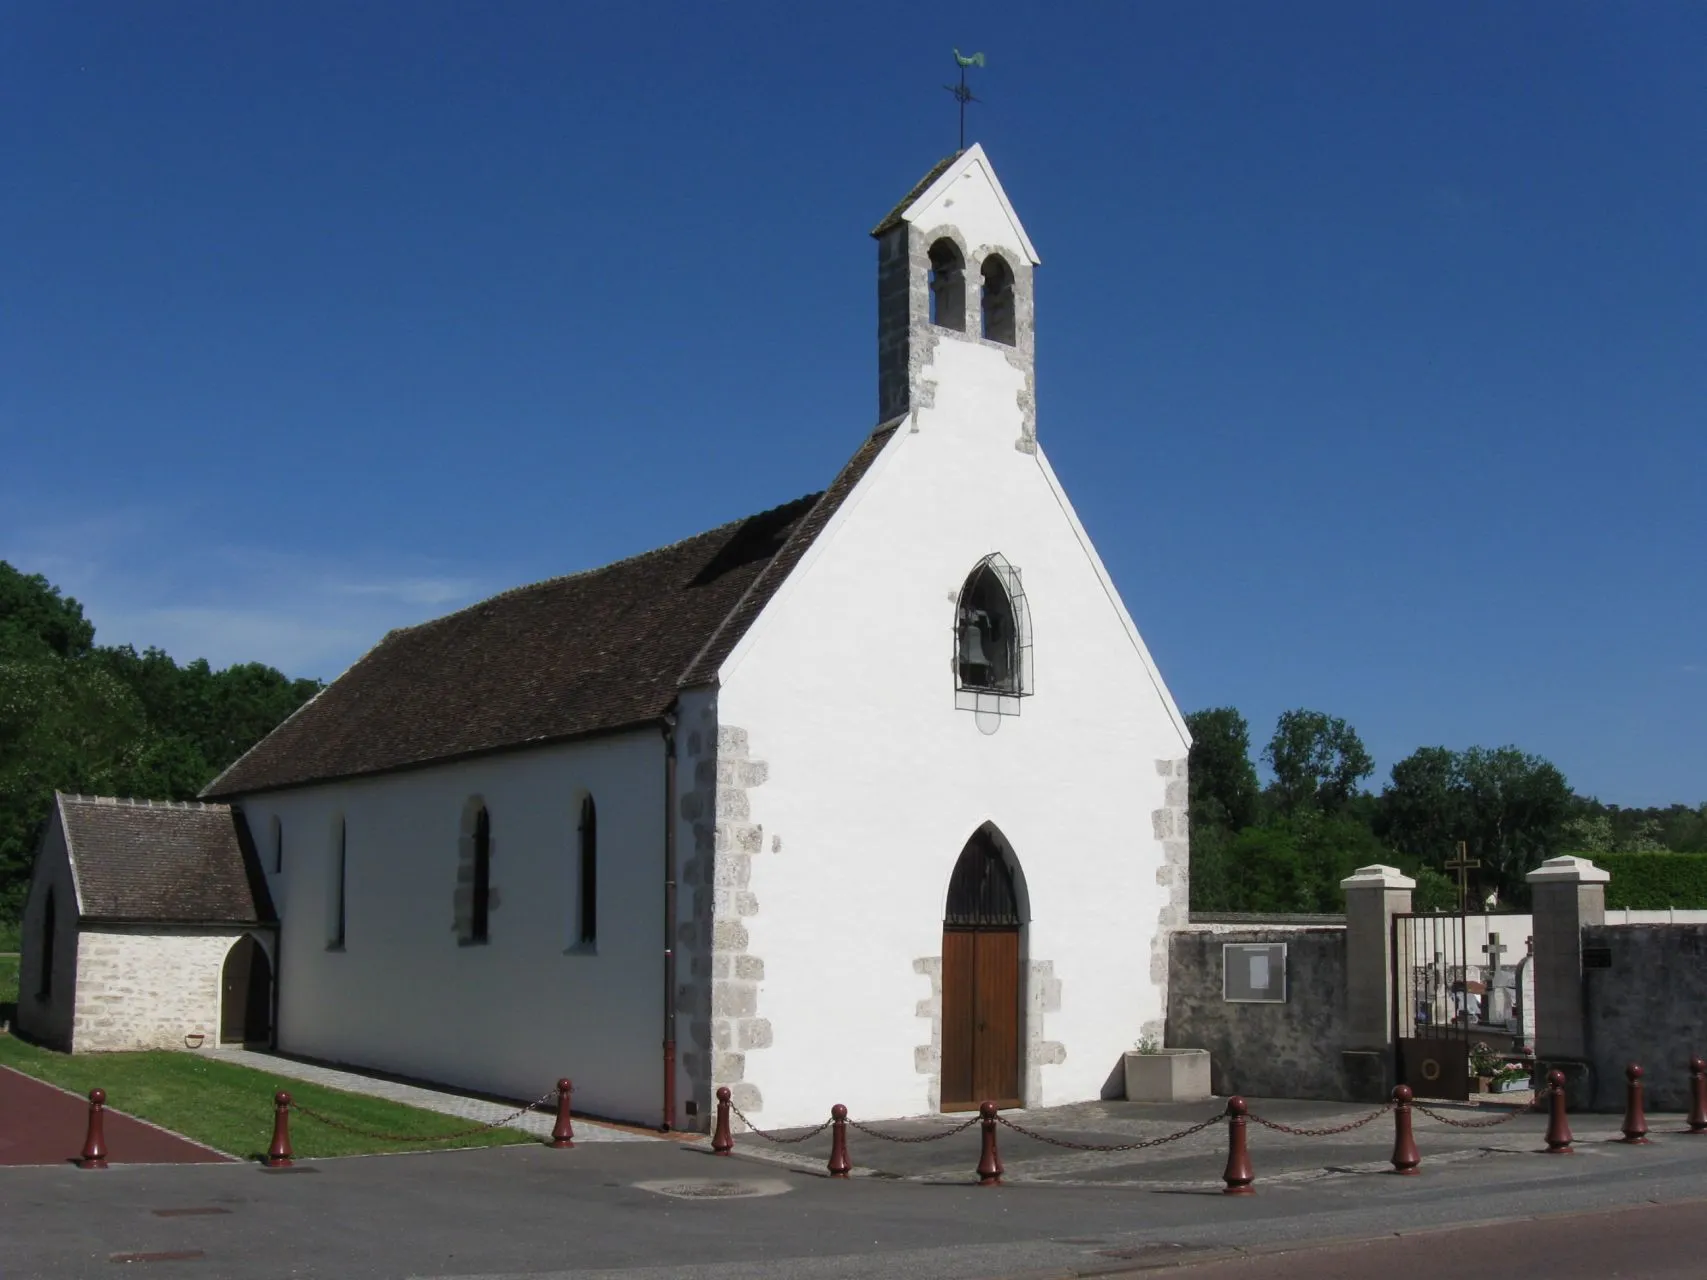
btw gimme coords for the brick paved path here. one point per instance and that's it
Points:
(475, 1110)
(40, 1124)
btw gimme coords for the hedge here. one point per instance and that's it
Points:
(1654, 881)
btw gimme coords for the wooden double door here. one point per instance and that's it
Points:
(980, 1018)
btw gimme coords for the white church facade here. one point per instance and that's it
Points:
(875, 798)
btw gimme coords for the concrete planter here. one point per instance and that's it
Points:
(1168, 1075)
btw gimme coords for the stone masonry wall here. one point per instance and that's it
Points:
(154, 990)
(1647, 1005)
(1289, 1050)
(1171, 825)
(719, 994)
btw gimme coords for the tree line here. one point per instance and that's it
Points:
(106, 720)
(1286, 846)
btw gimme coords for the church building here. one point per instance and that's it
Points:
(875, 797)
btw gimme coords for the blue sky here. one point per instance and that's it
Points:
(1372, 339)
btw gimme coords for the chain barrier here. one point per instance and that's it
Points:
(326, 1120)
(1320, 1133)
(1513, 1114)
(908, 1141)
(1217, 1118)
(772, 1137)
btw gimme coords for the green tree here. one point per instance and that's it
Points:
(1518, 804)
(77, 717)
(1423, 812)
(1318, 762)
(1224, 790)
(35, 620)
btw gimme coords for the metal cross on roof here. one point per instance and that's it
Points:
(961, 93)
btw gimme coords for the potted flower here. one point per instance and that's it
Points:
(1155, 1074)
(1485, 1064)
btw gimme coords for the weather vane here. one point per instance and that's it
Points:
(961, 93)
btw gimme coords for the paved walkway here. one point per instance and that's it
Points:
(463, 1107)
(41, 1124)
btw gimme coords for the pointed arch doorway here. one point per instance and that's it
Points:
(981, 977)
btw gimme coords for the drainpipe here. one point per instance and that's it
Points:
(669, 726)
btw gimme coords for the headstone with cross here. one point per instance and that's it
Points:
(1463, 864)
(1502, 985)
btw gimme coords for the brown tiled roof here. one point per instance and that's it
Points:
(159, 862)
(892, 219)
(593, 651)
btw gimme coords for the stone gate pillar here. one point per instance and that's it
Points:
(1565, 893)
(1373, 896)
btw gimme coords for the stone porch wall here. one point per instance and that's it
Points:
(153, 990)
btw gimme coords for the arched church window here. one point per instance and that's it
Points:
(44, 988)
(948, 286)
(998, 300)
(481, 912)
(588, 924)
(992, 639)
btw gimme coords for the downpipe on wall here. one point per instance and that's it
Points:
(669, 728)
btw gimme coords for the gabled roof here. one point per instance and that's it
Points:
(897, 215)
(151, 861)
(596, 651)
(939, 182)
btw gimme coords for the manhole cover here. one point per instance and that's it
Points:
(716, 1188)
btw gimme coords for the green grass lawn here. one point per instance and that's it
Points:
(231, 1107)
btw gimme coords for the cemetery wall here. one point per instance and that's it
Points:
(1647, 1005)
(1288, 1050)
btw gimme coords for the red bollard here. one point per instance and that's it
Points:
(94, 1154)
(722, 1141)
(1406, 1158)
(989, 1162)
(1558, 1128)
(279, 1154)
(1238, 1175)
(563, 1132)
(839, 1162)
(1635, 1116)
(1698, 1096)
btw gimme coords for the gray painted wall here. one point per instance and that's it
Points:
(1649, 1007)
(1289, 1050)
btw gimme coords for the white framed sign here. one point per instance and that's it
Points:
(1253, 972)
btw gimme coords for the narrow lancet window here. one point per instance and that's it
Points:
(480, 915)
(588, 925)
(998, 300)
(50, 917)
(948, 286)
(340, 886)
(278, 846)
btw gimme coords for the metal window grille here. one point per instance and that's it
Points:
(992, 640)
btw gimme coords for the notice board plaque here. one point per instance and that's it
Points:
(1253, 972)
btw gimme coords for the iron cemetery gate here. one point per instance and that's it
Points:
(1437, 1001)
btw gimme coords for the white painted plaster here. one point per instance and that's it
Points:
(875, 781)
(969, 196)
(511, 1015)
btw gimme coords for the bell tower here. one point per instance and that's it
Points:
(954, 265)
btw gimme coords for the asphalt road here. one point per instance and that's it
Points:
(643, 1211)
(1654, 1242)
